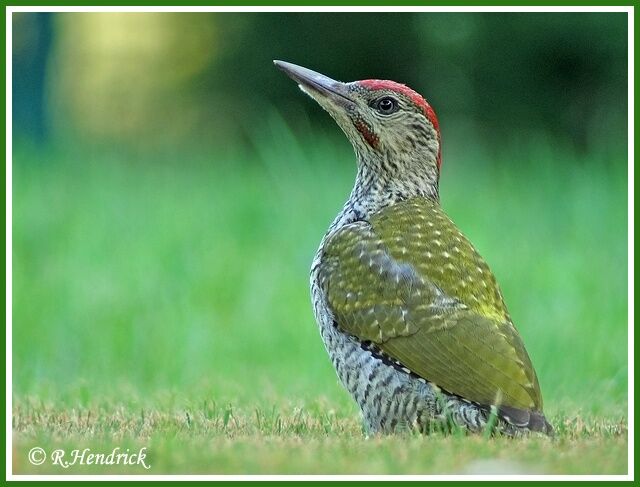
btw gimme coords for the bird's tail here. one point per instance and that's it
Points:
(530, 420)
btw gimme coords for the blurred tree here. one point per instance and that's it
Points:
(127, 78)
(561, 74)
(31, 44)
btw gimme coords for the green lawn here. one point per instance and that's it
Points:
(164, 303)
(183, 434)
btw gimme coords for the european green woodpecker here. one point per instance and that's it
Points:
(412, 317)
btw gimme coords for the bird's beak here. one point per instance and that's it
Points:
(320, 87)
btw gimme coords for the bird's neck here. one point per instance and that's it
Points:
(373, 192)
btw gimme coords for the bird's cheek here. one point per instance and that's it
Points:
(367, 132)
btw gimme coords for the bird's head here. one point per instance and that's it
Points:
(393, 130)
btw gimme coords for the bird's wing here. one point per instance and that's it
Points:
(410, 282)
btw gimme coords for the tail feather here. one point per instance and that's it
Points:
(531, 420)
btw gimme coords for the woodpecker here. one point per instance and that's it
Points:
(411, 316)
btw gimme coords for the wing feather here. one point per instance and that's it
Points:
(409, 281)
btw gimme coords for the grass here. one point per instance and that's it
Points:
(210, 438)
(165, 303)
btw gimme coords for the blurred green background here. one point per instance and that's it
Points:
(170, 188)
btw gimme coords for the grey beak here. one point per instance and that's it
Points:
(312, 82)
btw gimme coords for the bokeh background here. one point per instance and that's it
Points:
(170, 188)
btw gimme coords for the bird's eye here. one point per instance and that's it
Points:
(386, 105)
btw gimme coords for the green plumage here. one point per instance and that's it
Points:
(410, 282)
